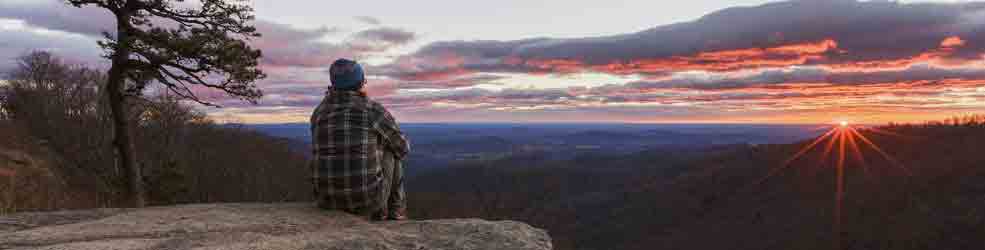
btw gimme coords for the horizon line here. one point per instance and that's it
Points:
(582, 122)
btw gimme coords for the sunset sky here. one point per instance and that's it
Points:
(698, 61)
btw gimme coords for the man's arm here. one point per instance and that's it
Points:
(393, 138)
(315, 130)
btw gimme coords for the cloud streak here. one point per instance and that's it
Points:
(55, 15)
(815, 75)
(825, 33)
(283, 45)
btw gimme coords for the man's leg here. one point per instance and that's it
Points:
(382, 210)
(397, 200)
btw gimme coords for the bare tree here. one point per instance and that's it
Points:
(158, 41)
(4, 101)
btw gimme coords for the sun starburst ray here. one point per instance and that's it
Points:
(847, 138)
(881, 152)
(840, 188)
(828, 148)
(853, 145)
(800, 153)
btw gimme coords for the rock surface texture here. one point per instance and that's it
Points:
(254, 227)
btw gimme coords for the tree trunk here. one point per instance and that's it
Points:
(122, 136)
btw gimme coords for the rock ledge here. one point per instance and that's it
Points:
(254, 227)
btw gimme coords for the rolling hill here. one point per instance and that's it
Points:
(928, 194)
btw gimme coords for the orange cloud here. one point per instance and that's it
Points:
(824, 52)
(952, 42)
(938, 56)
(556, 65)
(807, 48)
(723, 60)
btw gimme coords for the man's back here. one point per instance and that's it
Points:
(351, 136)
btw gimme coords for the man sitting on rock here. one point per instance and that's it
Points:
(358, 148)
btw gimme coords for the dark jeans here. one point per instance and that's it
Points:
(393, 195)
(392, 198)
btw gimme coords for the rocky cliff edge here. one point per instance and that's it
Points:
(254, 227)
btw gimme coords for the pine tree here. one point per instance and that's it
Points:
(179, 45)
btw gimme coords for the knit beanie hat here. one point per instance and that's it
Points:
(347, 74)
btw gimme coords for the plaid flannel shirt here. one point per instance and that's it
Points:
(350, 133)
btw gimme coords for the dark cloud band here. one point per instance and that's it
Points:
(841, 33)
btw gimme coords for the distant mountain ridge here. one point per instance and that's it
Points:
(439, 145)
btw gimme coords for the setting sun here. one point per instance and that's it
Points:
(842, 138)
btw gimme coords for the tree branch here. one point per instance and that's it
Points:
(101, 3)
(203, 46)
